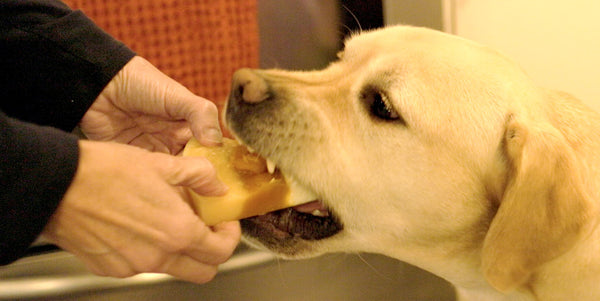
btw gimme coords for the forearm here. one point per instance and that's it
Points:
(37, 165)
(55, 62)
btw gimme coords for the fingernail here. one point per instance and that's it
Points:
(219, 190)
(223, 189)
(213, 135)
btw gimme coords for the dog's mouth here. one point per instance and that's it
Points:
(312, 220)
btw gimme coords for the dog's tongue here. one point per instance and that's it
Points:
(311, 207)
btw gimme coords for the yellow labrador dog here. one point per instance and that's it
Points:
(434, 150)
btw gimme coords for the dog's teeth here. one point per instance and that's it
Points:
(319, 213)
(270, 166)
(298, 193)
(250, 150)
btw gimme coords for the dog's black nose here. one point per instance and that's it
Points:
(249, 87)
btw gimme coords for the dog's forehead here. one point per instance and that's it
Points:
(395, 38)
(440, 61)
(408, 43)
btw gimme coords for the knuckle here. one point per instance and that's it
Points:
(209, 172)
(125, 274)
(205, 174)
(190, 170)
(226, 253)
(179, 238)
(141, 259)
(120, 272)
(209, 107)
(201, 165)
(116, 270)
(222, 257)
(219, 256)
(152, 264)
(208, 276)
(170, 165)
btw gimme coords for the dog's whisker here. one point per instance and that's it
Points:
(375, 270)
(348, 31)
(281, 273)
(353, 17)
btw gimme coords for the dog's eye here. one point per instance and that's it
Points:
(378, 105)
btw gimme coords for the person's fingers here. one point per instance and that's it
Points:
(161, 95)
(196, 173)
(228, 229)
(203, 116)
(189, 269)
(178, 265)
(216, 246)
(110, 264)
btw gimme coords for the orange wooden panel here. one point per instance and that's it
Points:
(200, 43)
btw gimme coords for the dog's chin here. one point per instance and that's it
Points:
(291, 232)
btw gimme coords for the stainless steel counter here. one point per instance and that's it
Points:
(248, 275)
(61, 274)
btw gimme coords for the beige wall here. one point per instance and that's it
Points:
(556, 41)
(426, 13)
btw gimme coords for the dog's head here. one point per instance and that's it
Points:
(422, 146)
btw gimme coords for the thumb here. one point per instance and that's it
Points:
(202, 114)
(196, 173)
(204, 121)
(170, 97)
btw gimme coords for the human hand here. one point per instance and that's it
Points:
(142, 106)
(125, 213)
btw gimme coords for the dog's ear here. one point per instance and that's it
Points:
(544, 207)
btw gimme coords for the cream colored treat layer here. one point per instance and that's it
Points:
(252, 189)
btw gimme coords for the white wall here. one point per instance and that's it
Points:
(556, 41)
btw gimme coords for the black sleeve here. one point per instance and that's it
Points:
(36, 167)
(53, 64)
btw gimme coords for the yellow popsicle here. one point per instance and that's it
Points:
(252, 189)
